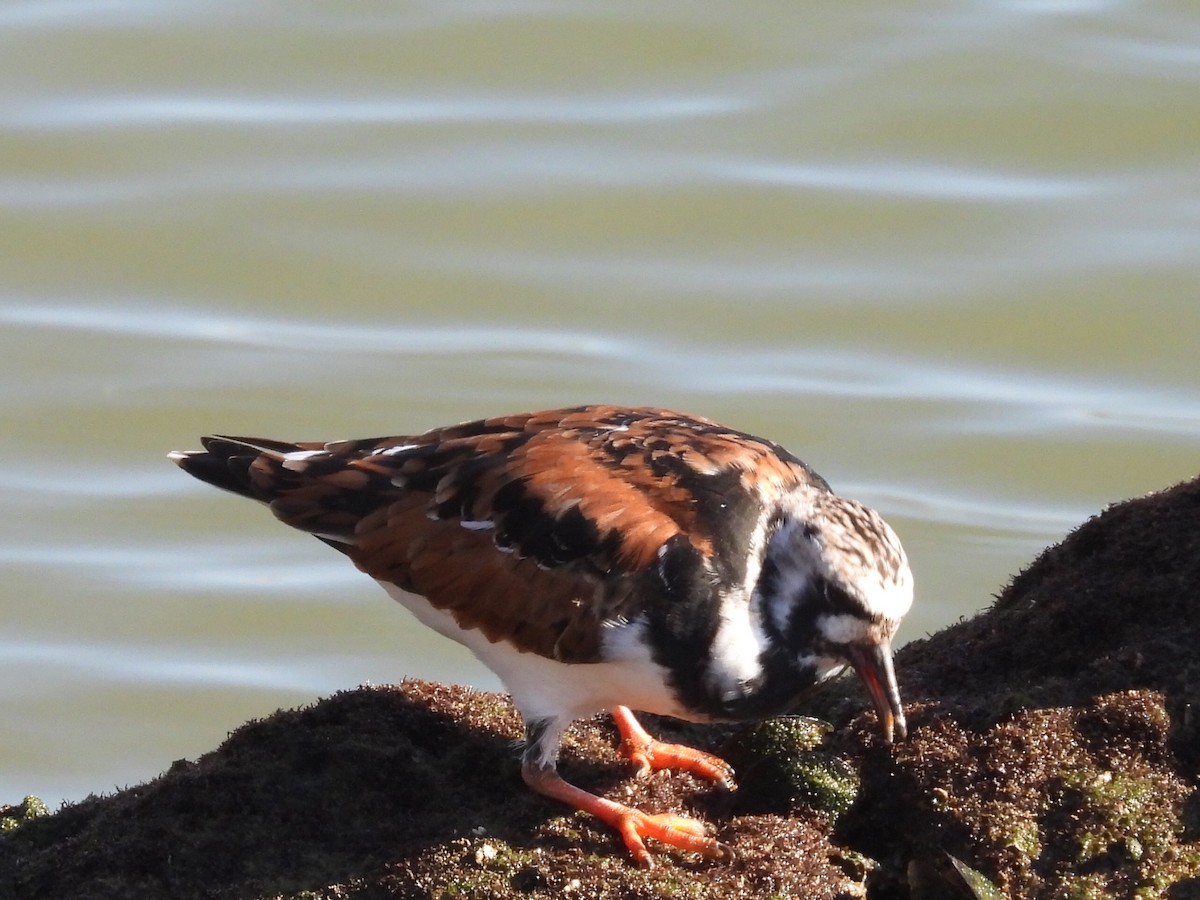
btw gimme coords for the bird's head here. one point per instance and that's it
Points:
(835, 583)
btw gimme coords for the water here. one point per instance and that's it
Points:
(948, 253)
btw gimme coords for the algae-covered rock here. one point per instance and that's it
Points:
(1053, 751)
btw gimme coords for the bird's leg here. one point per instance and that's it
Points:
(648, 753)
(540, 771)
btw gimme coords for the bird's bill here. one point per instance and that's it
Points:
(873, 663)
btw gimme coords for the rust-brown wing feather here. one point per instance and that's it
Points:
(534, 528)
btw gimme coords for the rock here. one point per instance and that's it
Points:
(1054, 750)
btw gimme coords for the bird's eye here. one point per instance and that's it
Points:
(811, 530)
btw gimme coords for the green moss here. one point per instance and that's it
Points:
(13, 817)
(1092, 887)
(786, 734)
(781, 768)
(1024, 837)
(1124, 822)
(1124, 816)
(829, 783)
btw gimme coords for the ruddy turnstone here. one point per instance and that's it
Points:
(606, 558)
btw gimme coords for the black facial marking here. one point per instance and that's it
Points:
(768, 578)
(800, 633)
(683, 622)
(779, 690)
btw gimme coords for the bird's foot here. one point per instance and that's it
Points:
(649, 754)
(680, 832)
(633, 825)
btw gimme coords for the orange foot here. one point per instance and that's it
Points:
(633, 825)
(649, 754)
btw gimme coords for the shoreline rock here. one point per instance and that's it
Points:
(1054, 751)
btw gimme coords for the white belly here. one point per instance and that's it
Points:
(547, 688)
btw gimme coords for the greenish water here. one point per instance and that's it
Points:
(948, 253)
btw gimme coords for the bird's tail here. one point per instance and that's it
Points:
(227, 462)
(309, 486)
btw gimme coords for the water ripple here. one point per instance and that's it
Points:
(100, 113)
(165, 668)
(316, 336)
(1032, 402)
(507, 169)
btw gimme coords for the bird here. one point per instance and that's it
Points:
(607, 558)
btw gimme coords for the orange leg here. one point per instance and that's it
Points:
(633, 825)
(649, 754)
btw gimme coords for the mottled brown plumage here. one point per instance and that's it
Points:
(629, 474)
(604, 556)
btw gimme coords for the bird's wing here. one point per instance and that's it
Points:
(536, 528)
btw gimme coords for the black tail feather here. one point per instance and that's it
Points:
(225, 462)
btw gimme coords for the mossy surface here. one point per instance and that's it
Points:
(1054, 751)
(14, 816)
(782, 768)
